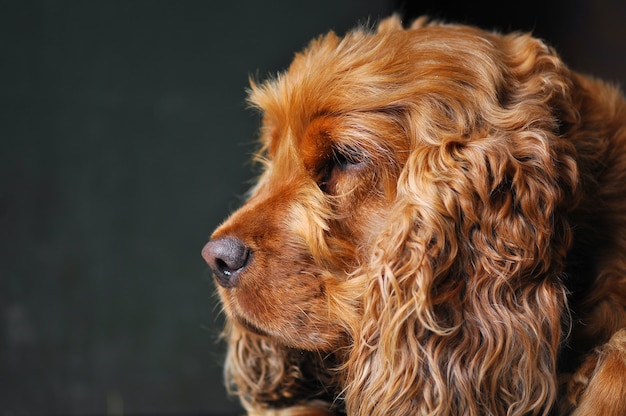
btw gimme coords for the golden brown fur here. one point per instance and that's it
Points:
(439, 228)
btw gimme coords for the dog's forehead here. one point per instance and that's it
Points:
(368, 72)
(317, 141)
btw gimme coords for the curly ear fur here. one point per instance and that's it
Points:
(469, 290)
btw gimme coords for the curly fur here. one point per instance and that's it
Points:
(439, 229)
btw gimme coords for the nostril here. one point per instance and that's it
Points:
(222, 267)
(226, 256)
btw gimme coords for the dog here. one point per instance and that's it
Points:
(439, 228)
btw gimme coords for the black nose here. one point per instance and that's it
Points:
(227, 257)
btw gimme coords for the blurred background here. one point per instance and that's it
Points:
(124, 141)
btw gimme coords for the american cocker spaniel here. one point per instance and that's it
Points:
(439, 228)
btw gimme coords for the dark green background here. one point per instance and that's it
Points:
(124, 140)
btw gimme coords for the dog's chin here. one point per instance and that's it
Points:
(303, 340)
(250, 327)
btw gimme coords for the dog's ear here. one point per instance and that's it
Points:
(465, 303)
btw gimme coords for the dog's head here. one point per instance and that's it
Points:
(403, 171)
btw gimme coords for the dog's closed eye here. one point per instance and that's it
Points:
(342, 161)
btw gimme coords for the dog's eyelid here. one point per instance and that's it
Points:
(347, 156)
(343, 159)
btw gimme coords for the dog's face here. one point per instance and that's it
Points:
(352, 131)
(321, 199)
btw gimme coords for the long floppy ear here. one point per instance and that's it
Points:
(465, 304)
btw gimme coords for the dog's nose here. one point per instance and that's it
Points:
(227, 257)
